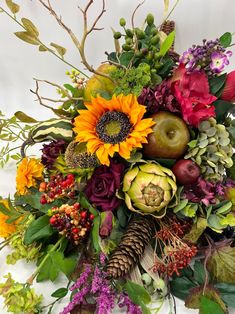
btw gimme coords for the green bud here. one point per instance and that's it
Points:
(153, 71)
(129, 33)
(150, 19)
(117, 35)
(139, 33)
(122, 22)
(154, 31)
(126, 47)
(154, 40)
(149, 56)
(129, 41)
(146, 279)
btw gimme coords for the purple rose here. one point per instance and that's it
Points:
(102, 187)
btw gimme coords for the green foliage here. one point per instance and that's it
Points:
(13, 212)
(12, 130)
(222, 108)
(38, 229)
(217, 84)
(95, 234)
(180, 287)
(208, 306)
(166, 45)
(138, 295)
(131, 81)
(221, 265)
(53, 264)
(227, 292)
(20, 298)
(226, 39)
(60, 293)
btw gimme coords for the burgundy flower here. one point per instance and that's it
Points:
(102, 187)
(228, 93)
(106, 225)
(51, 151)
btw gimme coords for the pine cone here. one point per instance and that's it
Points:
(128, 253)
(167, 27)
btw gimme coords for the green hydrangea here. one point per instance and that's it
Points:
(20, 298)
(131, 81)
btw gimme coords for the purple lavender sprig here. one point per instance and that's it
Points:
(125, 301)
(212, 57)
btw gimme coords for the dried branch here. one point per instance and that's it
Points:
(80, 45)
(134, 13)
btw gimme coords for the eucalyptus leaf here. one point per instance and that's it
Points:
(14, 7)
(30, 27)
(61, 50)
(24, 117)
(28, 38)
(227, 293)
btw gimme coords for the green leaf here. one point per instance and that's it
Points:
(61, 50)
(126, 57)
(4, 210)
(196, 230)
(226, 39)
(137, 293)
(199, 272)
(30, 27)
(49, 270)
(207, 306)
(192, 144)
(15, 8)
(34, 201)
(221, 109)
(65, 265)
(180, 287)
(166, 45)
(28, 38)
(221, 265)
(60, 293)
(38, 229)
(227, 293)
(214, 222)
(86, 204)
(95, 233)
(24, 117)
(42, 48)
(166, 162)
(217, 83)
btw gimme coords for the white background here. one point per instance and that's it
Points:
(20, 63)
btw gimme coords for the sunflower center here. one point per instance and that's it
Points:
(113, 127)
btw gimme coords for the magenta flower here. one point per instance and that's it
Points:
(218, 62)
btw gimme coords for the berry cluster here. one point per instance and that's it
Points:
(71, 221)
(58, 187)
(172, 227)
(175, 260)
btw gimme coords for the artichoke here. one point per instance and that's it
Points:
(149, 188)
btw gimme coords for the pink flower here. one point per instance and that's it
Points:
(192, 92)
(229, 89)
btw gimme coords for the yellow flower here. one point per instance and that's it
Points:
(6, 229)
(114, 125)
(29, 170)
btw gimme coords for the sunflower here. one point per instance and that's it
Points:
(6, 229)
(29, 170)
(112, 126)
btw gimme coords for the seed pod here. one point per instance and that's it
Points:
(126, 47)
(117, 35)
(122, 22)
(129, 33)
(150, 19)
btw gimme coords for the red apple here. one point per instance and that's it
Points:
(186, 171)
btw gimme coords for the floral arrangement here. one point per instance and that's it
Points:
(133, 196)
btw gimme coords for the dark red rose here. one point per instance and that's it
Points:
(102, 187)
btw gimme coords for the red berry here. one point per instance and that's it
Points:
(53, 220)
(51, 194)
(43, 200)
(83, 214)
(70, 177)
(75, 230)
(77, 206)
(91, 217)
(42, 186)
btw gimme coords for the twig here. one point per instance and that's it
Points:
(207, 255)
(134, 13)
(169, 14)
(80, 45)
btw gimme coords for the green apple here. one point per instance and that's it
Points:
(169, 138)
(98, 84)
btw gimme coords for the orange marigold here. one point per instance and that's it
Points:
(112, 126)
(6, 229)
(28, 171)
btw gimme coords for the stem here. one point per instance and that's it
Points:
(10, 150)
(42, 44)
(171, 11)
(53, 249)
